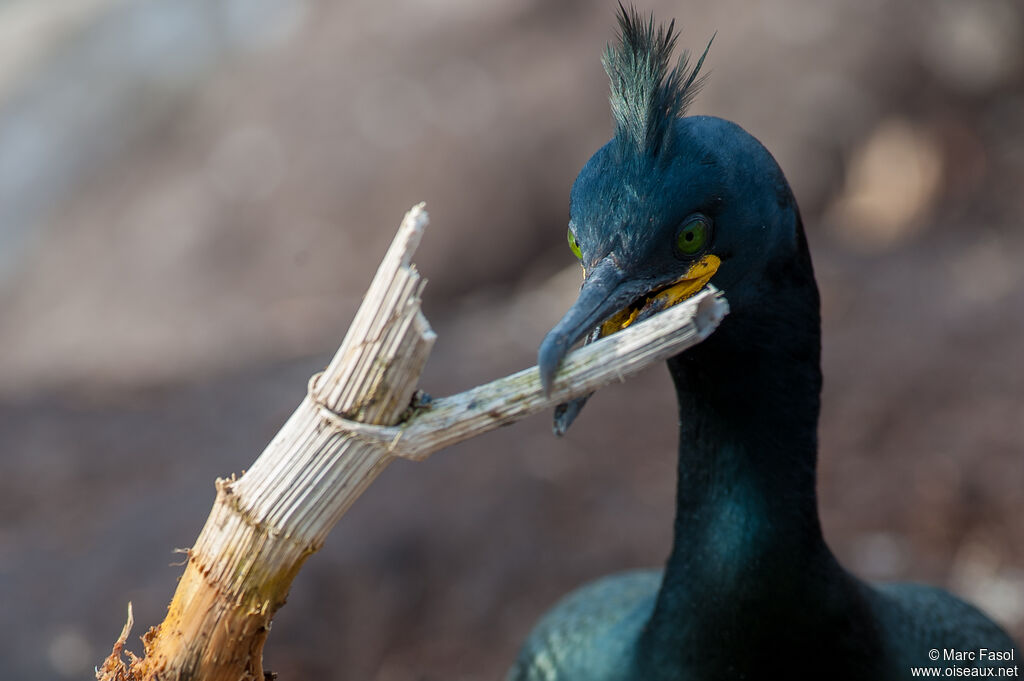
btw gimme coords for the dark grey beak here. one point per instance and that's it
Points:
(606, 291)
(602, 295)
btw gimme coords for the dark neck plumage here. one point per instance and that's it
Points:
(748, 545)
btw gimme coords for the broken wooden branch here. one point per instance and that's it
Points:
(355, 419)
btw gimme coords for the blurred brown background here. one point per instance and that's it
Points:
(194, 195)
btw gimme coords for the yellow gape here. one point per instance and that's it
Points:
(690, 283)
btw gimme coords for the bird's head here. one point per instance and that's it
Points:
(670, 203)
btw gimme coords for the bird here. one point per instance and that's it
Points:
(751, 590)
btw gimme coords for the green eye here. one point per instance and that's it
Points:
(692, 237)
(573, 246)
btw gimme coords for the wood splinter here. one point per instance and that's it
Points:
(349, 427)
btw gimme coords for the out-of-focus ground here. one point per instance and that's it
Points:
(194, 195)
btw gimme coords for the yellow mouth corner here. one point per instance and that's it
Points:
(686, 286)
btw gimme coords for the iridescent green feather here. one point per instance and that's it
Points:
(645, 96)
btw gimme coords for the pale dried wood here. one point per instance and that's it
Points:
(449, 420)
(343, 434)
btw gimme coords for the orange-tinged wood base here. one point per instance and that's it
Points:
(220, 615)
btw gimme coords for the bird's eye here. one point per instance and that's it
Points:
(692, 237)
(573, 246)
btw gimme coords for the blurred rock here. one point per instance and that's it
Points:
(70, 654)
(975, 46)
(891, 184)
(880, 555)
(978, 576)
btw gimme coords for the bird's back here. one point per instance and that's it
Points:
(924, 626)
(591, 634)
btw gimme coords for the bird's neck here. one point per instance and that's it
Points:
(747, 538)
(747, 459)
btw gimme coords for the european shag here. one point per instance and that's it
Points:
(750, 590)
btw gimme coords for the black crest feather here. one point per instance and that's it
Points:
(645, 97)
